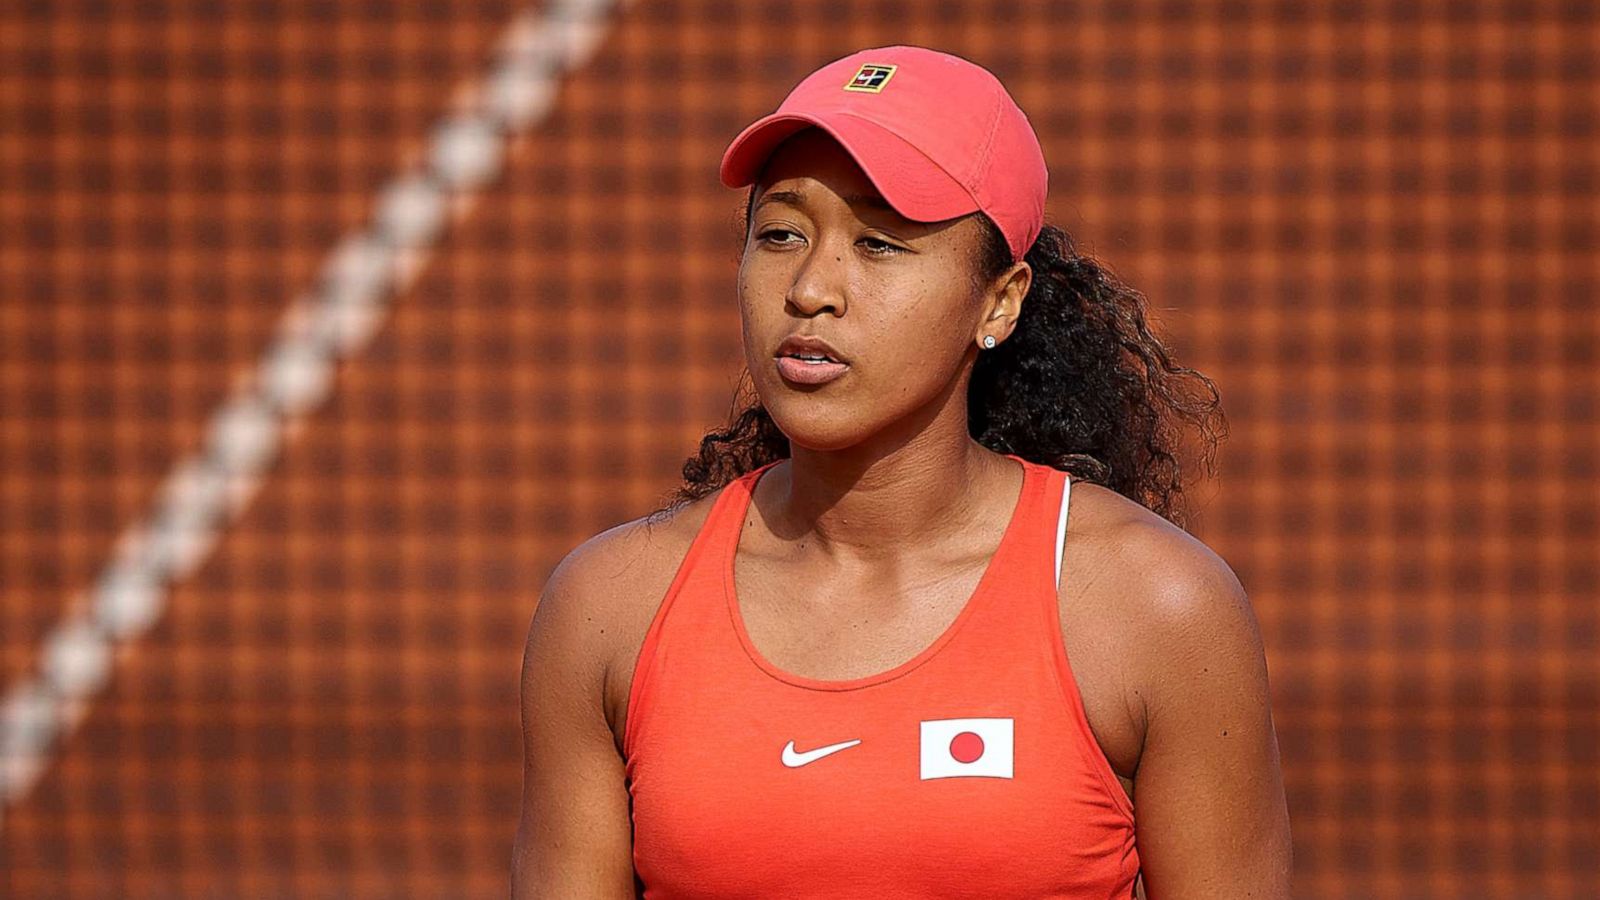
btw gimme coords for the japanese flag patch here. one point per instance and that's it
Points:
(960, 748)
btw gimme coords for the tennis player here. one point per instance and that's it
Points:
(867, 652)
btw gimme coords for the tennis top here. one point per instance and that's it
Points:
(969, 770)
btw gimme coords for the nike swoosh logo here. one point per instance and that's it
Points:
(794, 760)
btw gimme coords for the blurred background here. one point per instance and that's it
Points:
(326, 329)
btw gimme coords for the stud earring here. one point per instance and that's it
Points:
(988, 342)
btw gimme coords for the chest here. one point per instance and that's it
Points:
(825, 638)
(868, 802)
(840, 641)
(892, 748)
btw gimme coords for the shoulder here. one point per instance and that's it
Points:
(601, 597)
(612, 574)
(1178, 602)
(1171, 578)
(1190, 648)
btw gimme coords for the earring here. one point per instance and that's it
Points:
(988, 342)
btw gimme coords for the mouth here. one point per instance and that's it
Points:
(810, 368)
(808, 347)
(809, 359)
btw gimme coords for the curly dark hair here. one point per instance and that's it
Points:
(1081, 385)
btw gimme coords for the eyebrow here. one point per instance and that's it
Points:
(789, 198)
(872, 201)
(795, 198)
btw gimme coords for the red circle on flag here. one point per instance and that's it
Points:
(966, 747)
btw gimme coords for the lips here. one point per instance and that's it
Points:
(806, 345)
(807, 359)
(801, 372)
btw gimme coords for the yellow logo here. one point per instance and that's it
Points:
(870, 79)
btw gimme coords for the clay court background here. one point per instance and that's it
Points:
(1373, 224)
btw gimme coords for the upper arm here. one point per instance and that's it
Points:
(574, 838)
(1212, 820)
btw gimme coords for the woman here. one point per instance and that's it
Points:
(839, 665)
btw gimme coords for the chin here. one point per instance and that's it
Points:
(816, 424)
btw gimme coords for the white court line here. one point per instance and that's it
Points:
(209, 489)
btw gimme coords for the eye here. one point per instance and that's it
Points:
(778, 236)
(879, 247)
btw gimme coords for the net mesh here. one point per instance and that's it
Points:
(1373, 225)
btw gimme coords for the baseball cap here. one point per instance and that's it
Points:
(938, 135)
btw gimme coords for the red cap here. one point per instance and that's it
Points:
(938, 135)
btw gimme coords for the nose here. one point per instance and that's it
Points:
(819, 282)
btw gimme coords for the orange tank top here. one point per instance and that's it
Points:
(967, 771)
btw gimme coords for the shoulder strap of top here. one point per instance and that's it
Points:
(735, 500)
(721, 524)
(1061, 523)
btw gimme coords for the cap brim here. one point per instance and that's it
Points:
(912, 183)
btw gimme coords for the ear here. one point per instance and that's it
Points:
(1003, 302)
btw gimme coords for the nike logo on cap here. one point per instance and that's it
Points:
(793, 759)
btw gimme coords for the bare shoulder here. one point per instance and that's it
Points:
(1141, 595)
(573, 836)
(621, 575)
(1177, 577)
(1192, 670)
(628, 555)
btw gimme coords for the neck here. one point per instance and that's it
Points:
(867, 505)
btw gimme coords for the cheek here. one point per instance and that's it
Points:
(916, 346)
(755, 280)
(934, 314)
(757, 314)
(762, 283)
